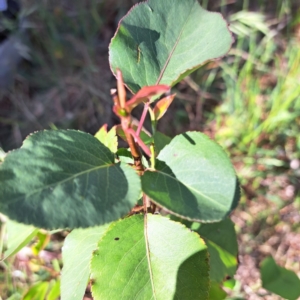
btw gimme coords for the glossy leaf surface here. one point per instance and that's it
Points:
(65, 178)
(194, 179)
(158, 41)
(153, 258)
(77, 252)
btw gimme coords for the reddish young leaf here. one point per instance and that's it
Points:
(144, 93)
(162, 106)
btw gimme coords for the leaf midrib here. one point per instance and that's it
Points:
(148, 255)
(173, 49)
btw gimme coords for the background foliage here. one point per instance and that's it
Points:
(249, 102)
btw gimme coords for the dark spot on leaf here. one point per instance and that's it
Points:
(116, 239)
(189, 139)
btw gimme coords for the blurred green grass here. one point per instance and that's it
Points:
(66, 80)
(249, 102)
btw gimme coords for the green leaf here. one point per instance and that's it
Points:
(278, 280)
(77, 253)
(230, 283)
(216, 292)
(43, 240)
(194, 179)
(222, 247)
(54, 291)
(158, 41)
(65, 178)
(37, 292)
(108, 138)
(160, 140)
(152, 258)
(18, 236)
(125, 156)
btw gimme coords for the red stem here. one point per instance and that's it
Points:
(142, 120)
(139, 141)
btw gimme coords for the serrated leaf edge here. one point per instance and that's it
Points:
(189, 69)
